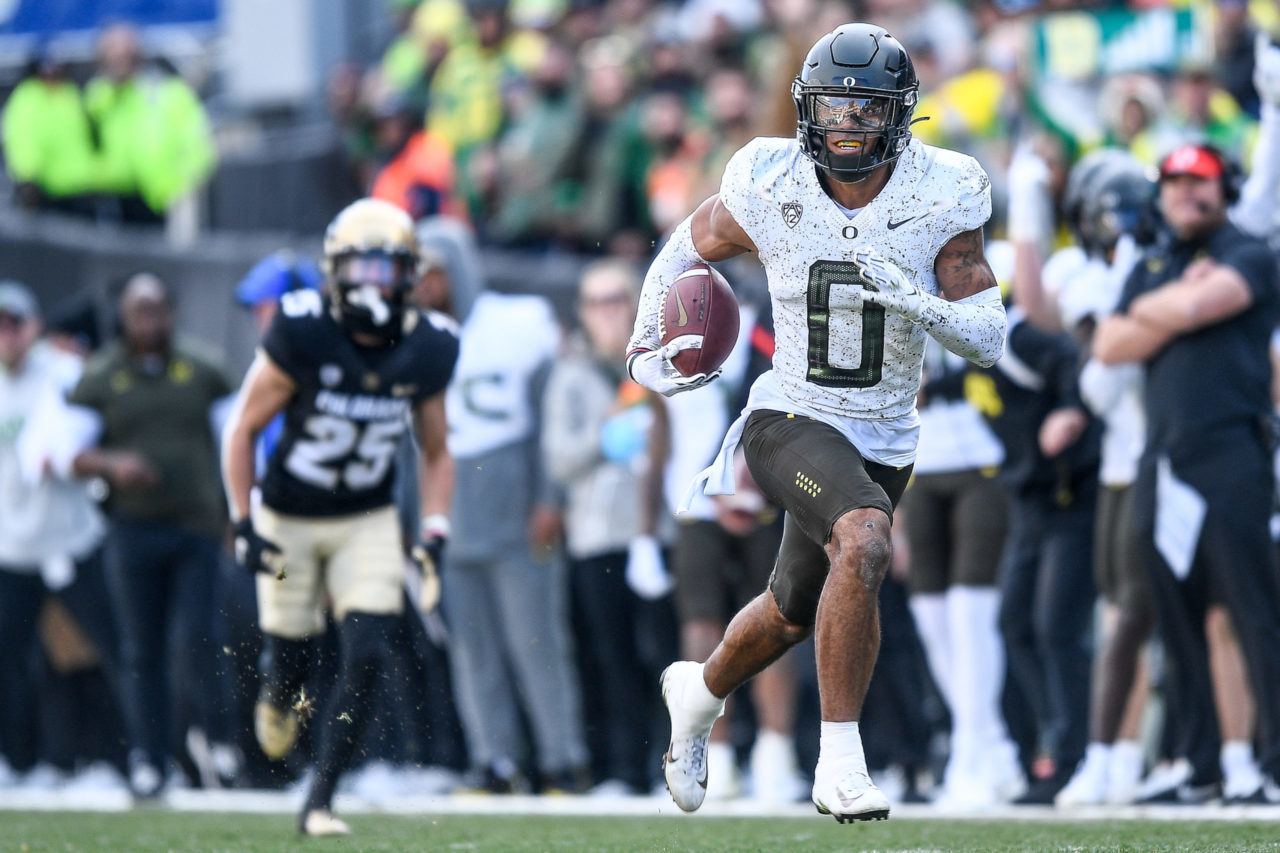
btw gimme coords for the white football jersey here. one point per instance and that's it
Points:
(858, 362)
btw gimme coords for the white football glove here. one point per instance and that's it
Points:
(653, 368)
(893, 291)
(1266, 69)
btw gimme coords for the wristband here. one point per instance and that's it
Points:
(436, 524)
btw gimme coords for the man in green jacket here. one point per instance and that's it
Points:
(153, 134)
(48, 144)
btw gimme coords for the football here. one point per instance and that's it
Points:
(701, 303)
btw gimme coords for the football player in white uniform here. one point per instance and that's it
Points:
(871, 242)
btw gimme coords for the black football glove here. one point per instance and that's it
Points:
(257, 553)
(429, 557)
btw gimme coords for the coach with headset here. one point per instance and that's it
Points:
(1198, 312)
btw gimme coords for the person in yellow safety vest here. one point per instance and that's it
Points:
(153, 135)
(48, 144)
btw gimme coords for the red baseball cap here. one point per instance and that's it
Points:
(1192, 160)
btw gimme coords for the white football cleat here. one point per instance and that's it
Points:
(685, 764)
(850, 795)
(722, 772)
(321, 822)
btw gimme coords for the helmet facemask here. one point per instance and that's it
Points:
(371, 290)
(872, 125)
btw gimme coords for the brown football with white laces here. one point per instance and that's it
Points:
(700, 303)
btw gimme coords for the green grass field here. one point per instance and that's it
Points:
(177, 831)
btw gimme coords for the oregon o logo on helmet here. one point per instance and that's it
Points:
(850, 81)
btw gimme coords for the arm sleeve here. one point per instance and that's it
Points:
(678, 253)
(973, 327)
(676, 256)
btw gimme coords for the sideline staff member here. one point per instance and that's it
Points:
(1199, 312)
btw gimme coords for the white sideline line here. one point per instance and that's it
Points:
(282, 802)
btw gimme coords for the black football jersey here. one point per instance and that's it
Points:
(352, 407)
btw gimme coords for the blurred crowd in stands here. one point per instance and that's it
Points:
(591, 127)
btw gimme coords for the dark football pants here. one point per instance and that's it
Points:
(1234, 564)
(812, 471)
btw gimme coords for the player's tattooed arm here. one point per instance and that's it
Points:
(961, 267)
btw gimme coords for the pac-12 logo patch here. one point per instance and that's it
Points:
(330, 375)
(791, 212)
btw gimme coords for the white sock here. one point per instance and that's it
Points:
(977, 662)
(704, 706)
(929, 611)
(1236, 755)
(840, 744)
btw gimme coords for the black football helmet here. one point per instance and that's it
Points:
(372, 261)
(1121, 201)
(1081, 182)
(857, 81)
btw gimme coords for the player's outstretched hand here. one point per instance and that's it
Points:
(893, 291)
(653, 368)
(257, 553)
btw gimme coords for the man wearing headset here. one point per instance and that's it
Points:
(1198, 312)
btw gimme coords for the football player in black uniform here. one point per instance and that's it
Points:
(351, 369)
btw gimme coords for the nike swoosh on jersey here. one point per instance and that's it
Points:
(892, 225)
